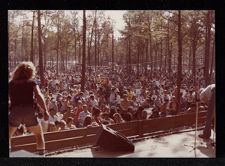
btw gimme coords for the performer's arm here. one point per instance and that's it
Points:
(40, 100)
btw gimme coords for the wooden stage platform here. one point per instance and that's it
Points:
(173, 146)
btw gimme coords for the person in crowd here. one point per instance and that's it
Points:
(22, 108)
(124, 105)
(69, 123)
(114, 98)
(77, 112)
(118, 118)
(92, 102)
(83, 115)
(105, 118)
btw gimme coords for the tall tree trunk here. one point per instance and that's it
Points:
(138, 56)
(150, 53)
(170, 59)
(165, 60)
(129, 53)
(90, 42)
(84, 52)
(212, 61)
(99, 50)
(57, 51)
(44, 54)
(146, 57)
(75, 45)
(32, 40)
(15, 60)
(179, 67)
(22, 44)
(207, 46)
(194, 46)
(79, 58)
(168, 48)
(41, 71)
(161, 54)
(189, 59)
(66, 58)
(95, 43)
(112, 51)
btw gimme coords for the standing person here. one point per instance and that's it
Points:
(22, 106)
(208, 96)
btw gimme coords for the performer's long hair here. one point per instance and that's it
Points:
(24, 71)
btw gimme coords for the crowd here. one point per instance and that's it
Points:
(111, 97)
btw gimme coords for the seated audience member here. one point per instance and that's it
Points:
(92, 102)
(83, 115)
(69, 123)
(118, 118)
(112, 111)
(52, 115)
(106, 119)
(154, 113)
(114, 97)
(77, 112)
(138, 114)
(90, 122)
(96, 115)
(52, 127)
(60, 125)
(87, 121)
(125, 112)
(172, 107)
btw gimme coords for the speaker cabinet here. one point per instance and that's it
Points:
(110, 139)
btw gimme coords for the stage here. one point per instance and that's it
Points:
(175, 145)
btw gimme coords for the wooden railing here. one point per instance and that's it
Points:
(87, 136)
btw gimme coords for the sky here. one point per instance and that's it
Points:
(115, 15)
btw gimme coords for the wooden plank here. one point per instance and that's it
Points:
(170, 122)
(54, 135)
(59, 144)
(122, 126)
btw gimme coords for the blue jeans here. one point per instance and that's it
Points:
(210, 114)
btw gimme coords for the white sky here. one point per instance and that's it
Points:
(115, 15)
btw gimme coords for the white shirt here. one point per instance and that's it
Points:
(206, 93)
(82, 116)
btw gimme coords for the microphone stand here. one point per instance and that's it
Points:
(196, 115)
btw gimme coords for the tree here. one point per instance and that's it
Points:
(84, 53)
(207, 46)
(41, 70)
(32, 40)
(179, 67)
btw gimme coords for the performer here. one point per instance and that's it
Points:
(207, 96)
(22, 92)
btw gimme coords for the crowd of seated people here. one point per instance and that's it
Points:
(111, 98)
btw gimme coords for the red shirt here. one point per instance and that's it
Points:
(77, 112)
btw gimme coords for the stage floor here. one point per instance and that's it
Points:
(175, 145)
